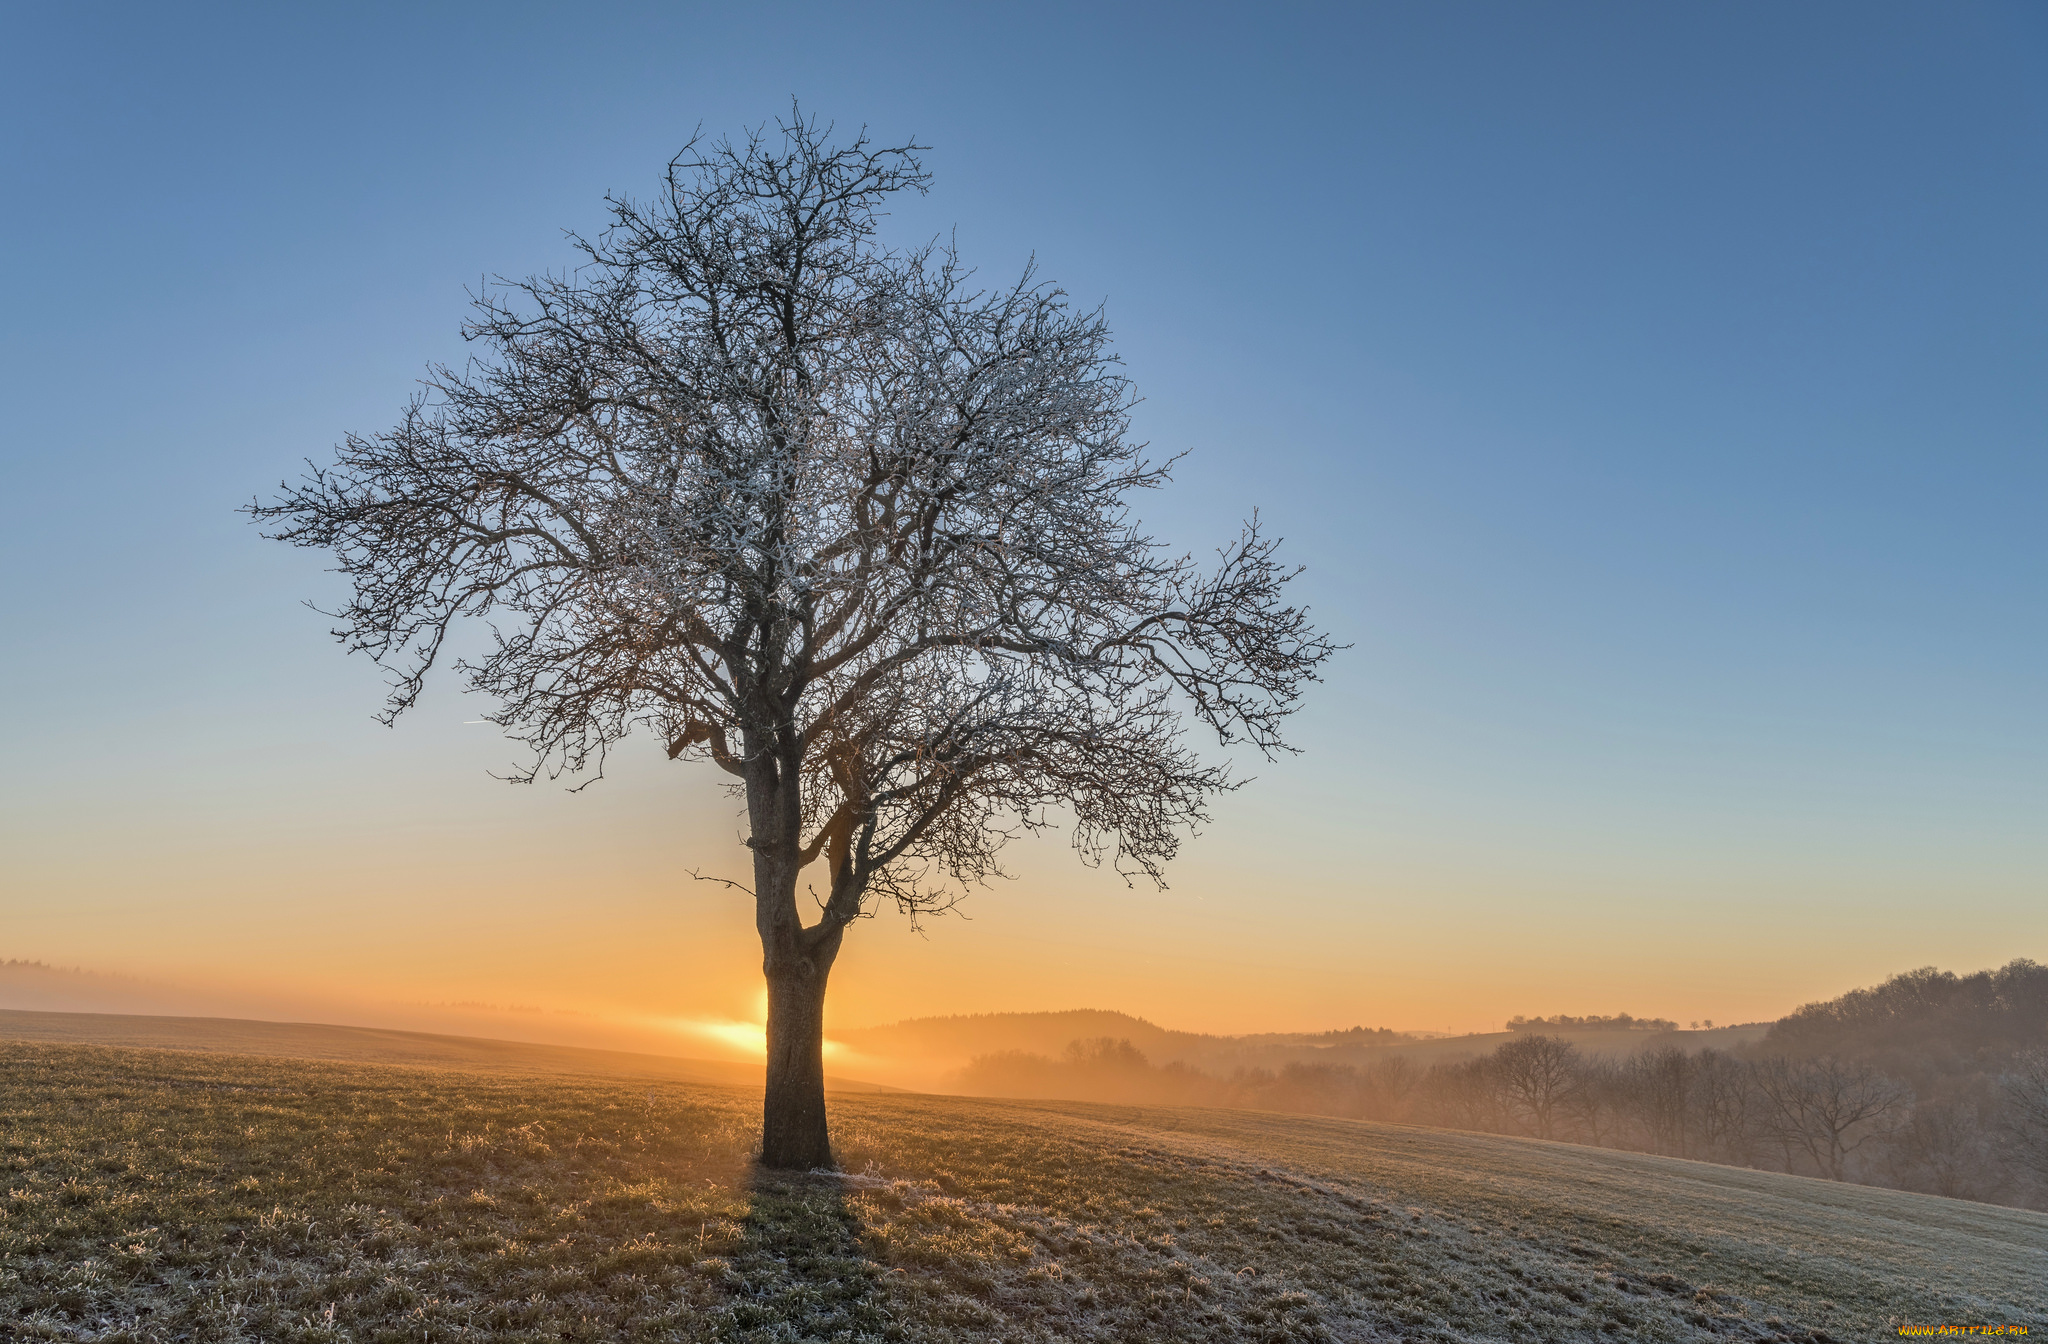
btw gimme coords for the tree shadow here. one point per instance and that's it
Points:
(800, 1271)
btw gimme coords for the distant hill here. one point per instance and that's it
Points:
(1931, 1081)
(39, 986)
(959, 1038)
(944, 1044)
(375, 1045)
(36, 986)
(1926, 1024)
(933, 1049)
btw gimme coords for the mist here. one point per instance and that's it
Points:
(36, 986)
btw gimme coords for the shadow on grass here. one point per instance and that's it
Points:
(801, 1273)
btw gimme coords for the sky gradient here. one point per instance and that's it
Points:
(1657, 396)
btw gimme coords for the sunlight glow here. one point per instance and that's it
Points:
(748, 1039)
(744, 1038)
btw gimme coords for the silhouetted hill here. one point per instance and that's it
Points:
(935, 1048)
(963, 1036)
(1925, 1024)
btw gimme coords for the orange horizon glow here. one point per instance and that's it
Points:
(579, 905)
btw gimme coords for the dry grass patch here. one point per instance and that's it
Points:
(153, 1195)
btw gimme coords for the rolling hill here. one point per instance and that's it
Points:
(929, 1052)
(313, 1040)
(152, 1194)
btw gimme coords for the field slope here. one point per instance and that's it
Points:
(377, 1045)
(160, 1195)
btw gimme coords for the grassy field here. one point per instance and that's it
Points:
(180, 1196)
(377, 1045)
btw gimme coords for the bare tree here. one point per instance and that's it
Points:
(1536, 1075)
(1943, 1146)
(1597, 1101)
(1660, 1084)
(1462, 1095)
(1722, 1095)
(1389, 1086)
(831, 517)
(2024, 1088)
(1827, 1108)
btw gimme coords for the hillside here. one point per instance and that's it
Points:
(34, 986)
(934, 1046)
(933, 1049)
(1927, 1024)
(158, 1195)
(312, 1040)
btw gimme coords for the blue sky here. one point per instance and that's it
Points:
(1656, 394)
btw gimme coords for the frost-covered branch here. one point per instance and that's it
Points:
(833, 516)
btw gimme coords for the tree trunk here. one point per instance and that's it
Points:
(796, 962)
(793, 1134)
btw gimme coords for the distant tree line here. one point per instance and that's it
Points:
(1619, 1022)
(1354, 1036)
(1931, 1081)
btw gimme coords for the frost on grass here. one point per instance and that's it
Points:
(156, 1196)
(172, 1197)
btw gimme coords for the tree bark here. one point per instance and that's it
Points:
(793, 1131)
